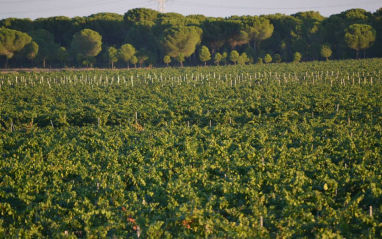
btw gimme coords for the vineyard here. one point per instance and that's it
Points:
(260, 151)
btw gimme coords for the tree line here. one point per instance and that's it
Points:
(147, 37)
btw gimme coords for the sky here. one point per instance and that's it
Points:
(212, 8)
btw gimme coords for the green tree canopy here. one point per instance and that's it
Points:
(30, 50)
(278, 58)
(126, 52)
(234, 56)
(62, 55)
(12, 41)
(47, 47)
(359, 37)
(19, 24)
(238, 39)
(142, 35)
(108, 25)
(167, 60)
(139, 15)
(61, 27)
(224, 57)
(217, 31)
(112, 54)
(267, 58)
(218, 58)
(204, 55)
(87, 43)
(297, 57)
(356, 15)
(182, 39)
(258, 29)
(243, 58)
(180, 58)
(134, 61)
(143, 55)
(326, 51)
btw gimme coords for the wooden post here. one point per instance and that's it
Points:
(261, 222)
(136, 117)
(371, 211)
(51, 122)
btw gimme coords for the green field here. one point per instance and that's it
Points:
(273, 151)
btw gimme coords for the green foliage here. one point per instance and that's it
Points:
(112, 55)
(167, 59)
(18, 24)
(180, 40)
(359, 37)
(218, 58)
(204, 54)
(126, 53)
(193, 152)
(180, 58)
(277, 58)
(134, 61)
(30, 50)
(259, 61)
(215, 32)
(143, 55)
(297, 57)
(140, 15)
(62, 55)
(357, 15)
(258, 29)
(234, 56)
(108, 25)
(47, 47)
(87, 43)
(326, 51)
(61, 27)
(224, 57)
(268, 59)
(12, 41)
(172, 33)
(243, 59)
(238, 39)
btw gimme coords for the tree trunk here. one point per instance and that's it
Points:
(205, 64)
(181, 64)
(6, 62)
(128, 65)
(357, 54)
(112, 65)
(43, 63)
(364, 53)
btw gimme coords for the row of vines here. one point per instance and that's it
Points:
(274, 151)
